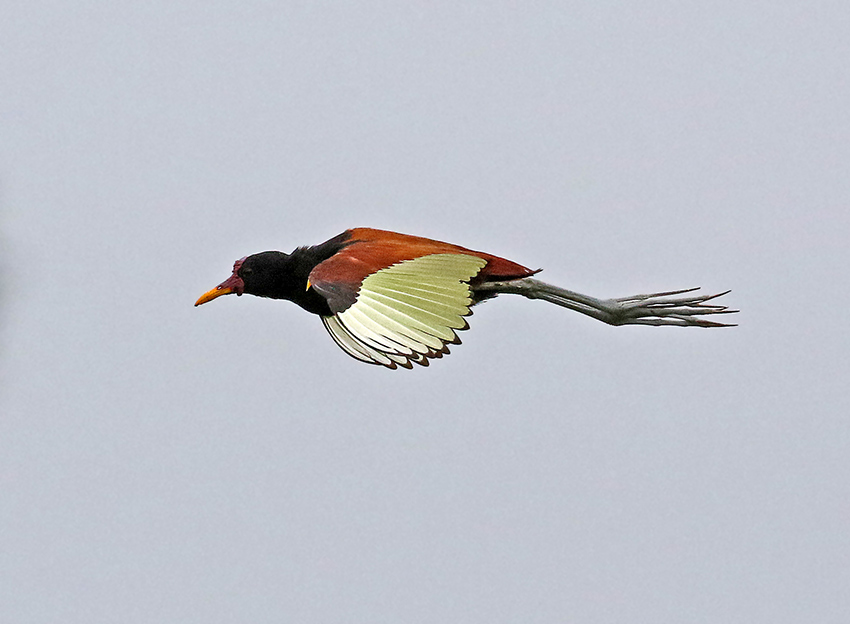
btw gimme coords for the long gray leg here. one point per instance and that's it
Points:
(662, 308)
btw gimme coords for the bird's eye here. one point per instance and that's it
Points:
(246, 271)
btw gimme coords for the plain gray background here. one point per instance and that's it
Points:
(162, 463)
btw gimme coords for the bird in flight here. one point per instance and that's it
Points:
(398, 300)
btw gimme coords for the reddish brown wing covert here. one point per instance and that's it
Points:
(339, 277)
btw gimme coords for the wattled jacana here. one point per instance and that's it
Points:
(395, 300)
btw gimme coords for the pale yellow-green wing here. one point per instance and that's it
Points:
(408, 312)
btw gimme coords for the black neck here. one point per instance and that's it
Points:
(284, 276)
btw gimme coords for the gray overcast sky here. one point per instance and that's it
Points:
(164, 463)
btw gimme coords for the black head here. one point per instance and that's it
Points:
(266, 274)
(277, 275)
